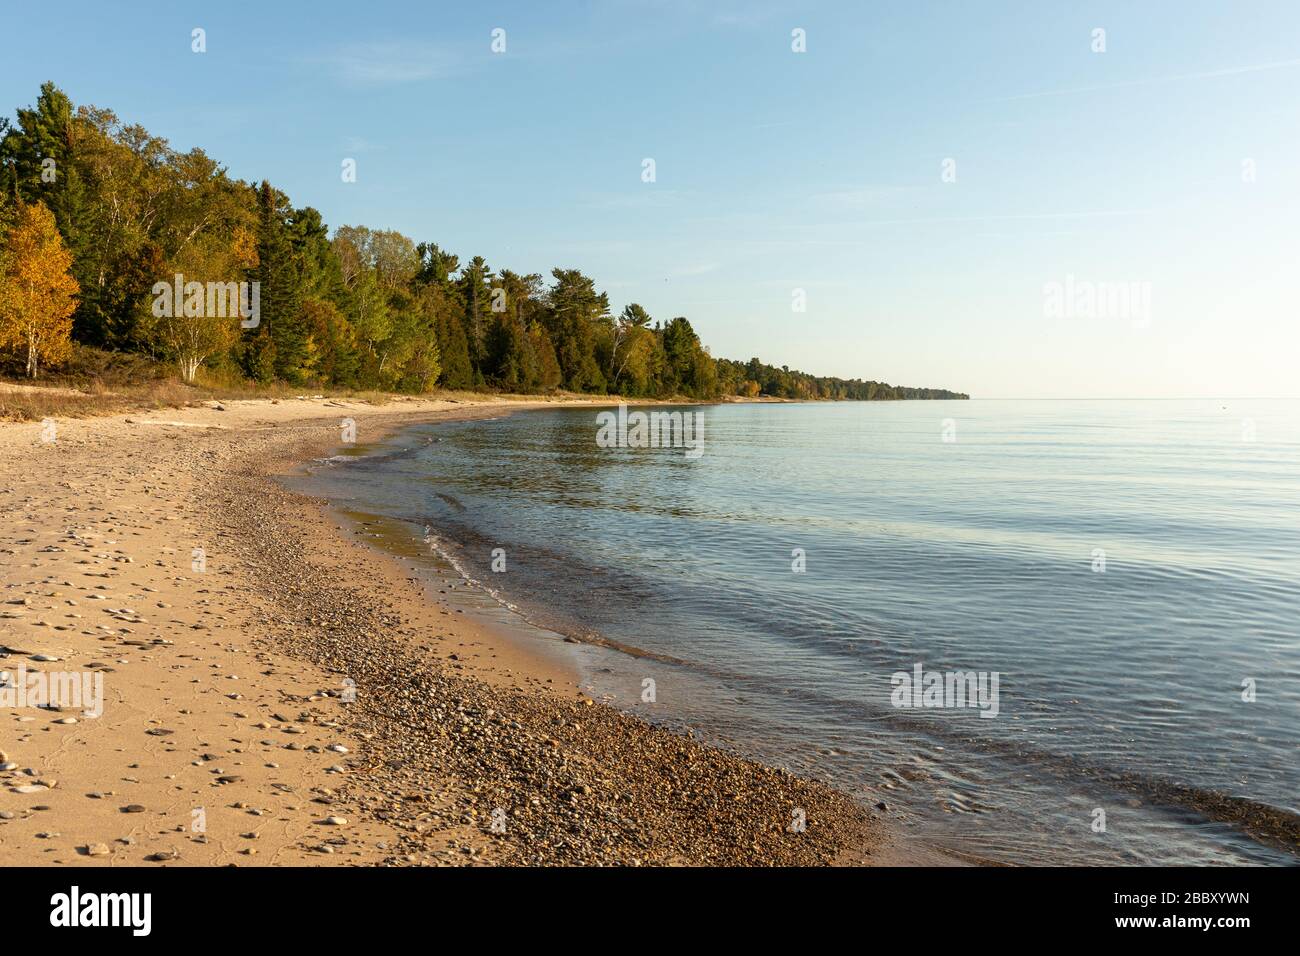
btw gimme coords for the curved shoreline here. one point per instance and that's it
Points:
(579, 782)
(445, 757)
(1268, 825)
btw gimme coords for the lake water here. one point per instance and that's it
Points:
(1129, 570)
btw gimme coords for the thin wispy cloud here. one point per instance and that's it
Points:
(1027, 235)
(643, 198)
(725, 13)
(698, 269)
(1082, 214)
(748, 15)
(359, 144)
(803, 282)
(817, 234)
(862, 196)
(1152, 80)
(386, 63)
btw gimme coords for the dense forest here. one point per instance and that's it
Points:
(97, 215)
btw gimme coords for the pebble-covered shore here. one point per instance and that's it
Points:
(461, 769)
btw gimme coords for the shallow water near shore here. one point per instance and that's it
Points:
(1128, 569)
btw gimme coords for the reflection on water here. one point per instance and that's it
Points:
(1124, 566)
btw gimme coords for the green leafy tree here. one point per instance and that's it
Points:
(337, 355)
(630, 351)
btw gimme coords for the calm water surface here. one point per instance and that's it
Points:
(1120, 690)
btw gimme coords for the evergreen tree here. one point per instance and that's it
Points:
(38, 159)
(322, 276)
(453, 347)
(282, 344)
(476, 293)
(574, 307)
(435, 266)
(38, 156)
(549, 375)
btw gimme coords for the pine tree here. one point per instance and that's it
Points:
(281, 344)
(574, 307)
(549, 374)
(476, 293)
(39, 160)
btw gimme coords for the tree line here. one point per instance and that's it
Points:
(97, 215)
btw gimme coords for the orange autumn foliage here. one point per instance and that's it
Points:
(37, 295)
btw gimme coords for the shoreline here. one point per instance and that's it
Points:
(462, 746)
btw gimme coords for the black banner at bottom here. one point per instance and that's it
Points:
(335, 905)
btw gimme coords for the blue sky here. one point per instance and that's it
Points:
(778, 171)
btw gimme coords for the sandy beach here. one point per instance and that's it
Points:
(275, 691)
